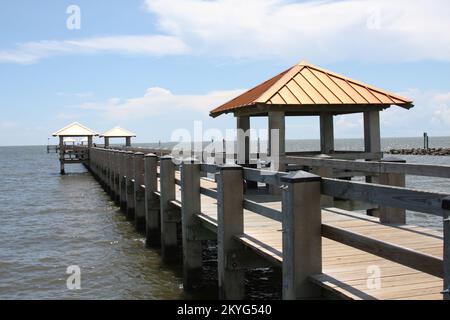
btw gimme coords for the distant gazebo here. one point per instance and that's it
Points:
(74, 130)
(118, 132)
(307, 90)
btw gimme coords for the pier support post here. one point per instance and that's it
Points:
(191, 205)
(130, 184)
(302, 236)
(446, 207)
(61, 155)
(139, 191)
(117, 177)
(168, 215)
(372, 144)
(230, 220)
(277, 144)
(112, 170)
(326, 132)
(392, 215)
(123, 181)
(152, 202)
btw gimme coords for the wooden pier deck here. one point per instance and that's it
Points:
(322, 250)
(345, 269)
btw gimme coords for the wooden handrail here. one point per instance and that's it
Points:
(414, 200)
(405, 256)
(376, 167)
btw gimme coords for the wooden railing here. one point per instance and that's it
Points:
(300, 215)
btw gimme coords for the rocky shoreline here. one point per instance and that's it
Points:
(421, 151)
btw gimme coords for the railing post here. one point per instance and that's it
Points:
(152, 202)
(392, 215)
(230, 218)
(123, 180)
(117, 176)
(110, 155)
(446, 207)
(139, 191)
(191, 205)
(130, 184)
(302, 235)
(168, 221)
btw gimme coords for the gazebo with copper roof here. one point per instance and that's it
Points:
(306, 90)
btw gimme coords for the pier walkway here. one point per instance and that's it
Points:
(323, 251)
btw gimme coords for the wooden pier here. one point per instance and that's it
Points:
(323, 251)
(286, 213)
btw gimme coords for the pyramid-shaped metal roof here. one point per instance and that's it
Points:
(75, 130)
(118, 132)
(308, 85)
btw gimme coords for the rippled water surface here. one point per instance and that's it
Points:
(49, 222)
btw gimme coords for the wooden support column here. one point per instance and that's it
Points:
(230, 218)
(152, 202)
(117, 176)
(106, 142)
(372, 144)
(130, 184)
(446, 207)
(90, 140)
(123, 180)
(302, 235)
(61, 155)
(191, 205)
(372, 131)
(243, 140)
(277, 139)
(139, 191)
(128, 141)
(168, 215)
(243, 146)
(326, 133)
(392, 215)
(112, 170)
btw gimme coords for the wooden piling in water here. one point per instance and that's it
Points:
(152, 201)
(123, 180)
(192, 245)
(230, 218)
(139, 191)
(169, 215)
(446, 207)
(130, 184)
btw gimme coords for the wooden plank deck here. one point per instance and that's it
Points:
(345, 270)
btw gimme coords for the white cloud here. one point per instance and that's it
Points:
(159, 100)
(323, 31)
(153, 45)
(400, 30)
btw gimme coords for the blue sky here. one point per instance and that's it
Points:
(155, 66)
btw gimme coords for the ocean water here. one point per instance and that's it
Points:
(49, 222)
